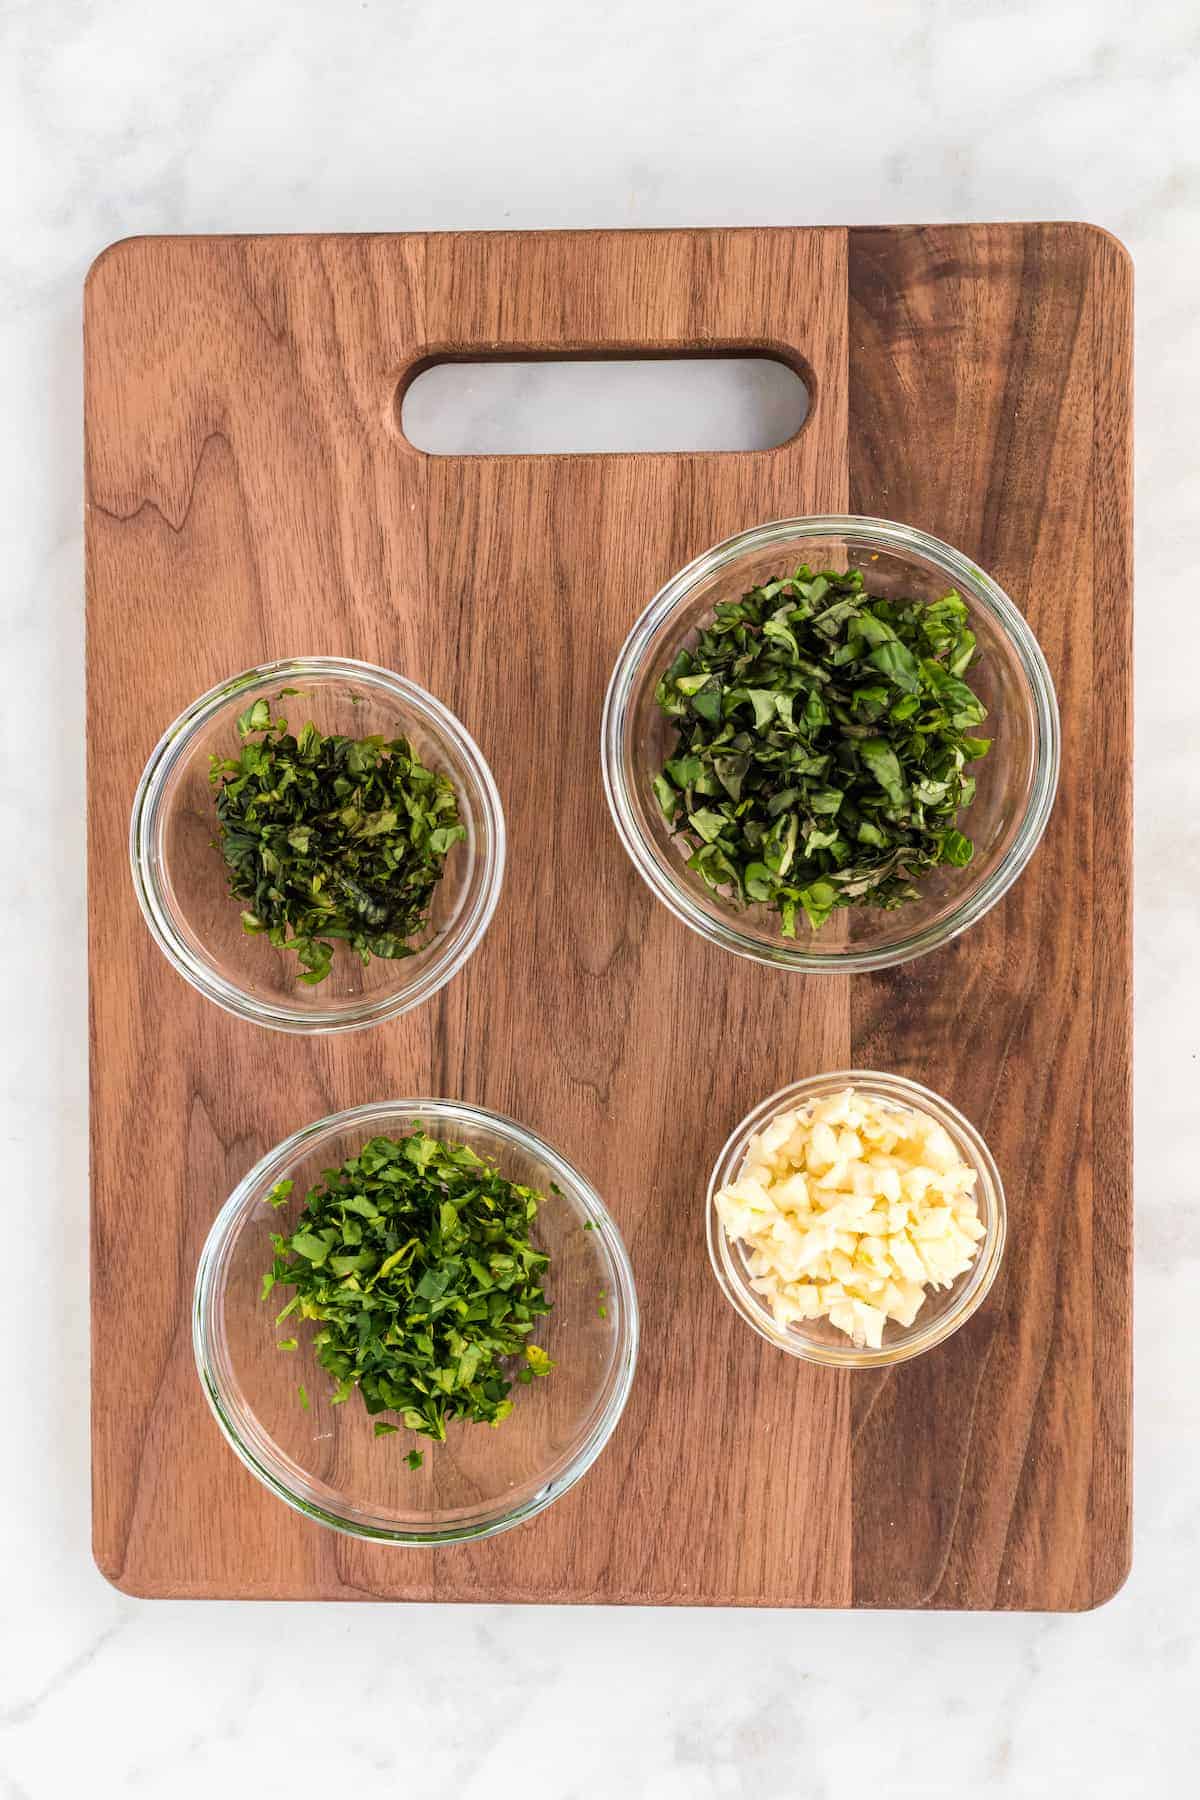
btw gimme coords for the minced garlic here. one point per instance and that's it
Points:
(850, 1208)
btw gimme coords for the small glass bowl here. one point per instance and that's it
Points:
(180, 878)
(944, 1309)
(1017, 779)
(326, 1462)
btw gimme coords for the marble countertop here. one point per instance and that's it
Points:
(124, 116)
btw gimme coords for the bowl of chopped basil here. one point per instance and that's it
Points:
(415, 1322)
(830, 744)
(317, 844)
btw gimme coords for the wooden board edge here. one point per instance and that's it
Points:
(1111, 999)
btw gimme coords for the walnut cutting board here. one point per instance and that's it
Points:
(249, 496)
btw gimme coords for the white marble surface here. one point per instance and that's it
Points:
(121, 116)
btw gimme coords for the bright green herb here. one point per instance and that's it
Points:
(822, 745)
(330, 839)
(414, 1258)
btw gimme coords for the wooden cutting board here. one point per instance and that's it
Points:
(249, 496)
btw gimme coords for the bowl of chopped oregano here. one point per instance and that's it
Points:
(317, 844)
(416, 1322)
(831, 743)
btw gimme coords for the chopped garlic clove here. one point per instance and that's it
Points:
(850, 1211)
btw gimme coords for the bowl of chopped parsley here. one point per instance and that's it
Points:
(317, 844)
(416, 1322)
(831, 744)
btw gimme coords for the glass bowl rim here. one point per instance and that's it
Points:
(173, 747)
(982, 590)
(259, 1457)
(976, 1284)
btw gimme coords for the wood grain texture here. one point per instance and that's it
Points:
(996, 1474)
(250, 495)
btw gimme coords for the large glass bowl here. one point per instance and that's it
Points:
(180, 878)
(326, 1461)
(1016, 780)
(944, 1309)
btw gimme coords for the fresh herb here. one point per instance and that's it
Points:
(538, 1364)
(415, 1458)
(823, 738)
(330, 839)
(414, 1258)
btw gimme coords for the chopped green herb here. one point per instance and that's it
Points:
(382, 1430)
(303, 1393)
(415, 1262)
(287, 1344)
(415, 1458)
(331, 839)
(822, 745)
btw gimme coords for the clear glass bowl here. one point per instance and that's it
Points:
(1017, 779)
(180, 878)
(944, 1310)
(327, 1462)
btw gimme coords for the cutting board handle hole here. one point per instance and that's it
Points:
(731, 400)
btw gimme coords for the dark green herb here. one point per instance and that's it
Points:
(414, 1258)
(331, 839)
(822, 745)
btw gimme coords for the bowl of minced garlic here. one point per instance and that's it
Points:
(855, 1219)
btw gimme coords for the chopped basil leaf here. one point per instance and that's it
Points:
(822, 733)
(331, 840)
